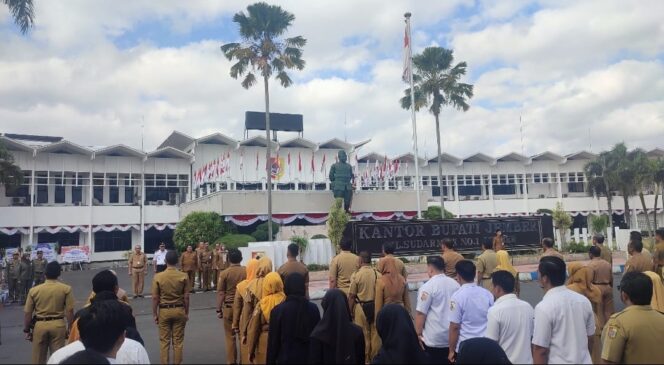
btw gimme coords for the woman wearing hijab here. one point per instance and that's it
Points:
(251, 298)
(657, 302)
(257, 334)
(504, 263)
(241, 309)
(392, 288)
(336, 339)
(399, 339)
(481, 350)
(580, 281)
(291, 323)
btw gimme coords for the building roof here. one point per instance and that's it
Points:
(177, 140)
(258, 141)
(65, 147)
(446, 157)
(336, 144)
(218, 138)
(549, 156)
(581, 155)
(480, 157)
(372, 157)
(299, 142)
(119, 150)
(14, 145)
(169, 152)
(657, 152)
(514, 157)
(409, 157)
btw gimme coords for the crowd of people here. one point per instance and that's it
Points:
(467, 312)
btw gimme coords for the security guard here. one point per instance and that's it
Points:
(39, 267)
(170, 308)
(13, 275)
(226, 286)
(361, 296)
(50, 303)
(189, 265)
(205, 266)
(633, 335)
(138, 268)
(25, 278)
(486, 264)
(342, 267)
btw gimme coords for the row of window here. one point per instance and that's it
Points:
(152, 194)
(104, 179)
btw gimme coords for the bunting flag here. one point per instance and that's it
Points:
(299, 162)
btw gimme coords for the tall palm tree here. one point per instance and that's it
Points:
(644, 168)
(11, 175)
(23, 12)
(600, 180)
(436, 84)
(262, 50)
(625, 176)
(658, 180)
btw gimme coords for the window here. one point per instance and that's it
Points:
(7, 241)
(76, 194)
(112, 241)
(470, 190)
(113, 195)
(575, 187)
(59, 194)
(504, 190)
(62, 238)
(42, 194)
(129, 195)
(154, 237)
(98, 194)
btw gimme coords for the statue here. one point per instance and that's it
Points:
(341, 175)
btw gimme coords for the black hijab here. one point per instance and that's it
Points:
(295, 292)
(481, 350)
(400, 344)
(335, 328)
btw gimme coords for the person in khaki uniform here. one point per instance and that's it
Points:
(294, 266)
(254, 293)
(189, 265)
(199, 270)
(388, 252)
(658, 255)
(13, 277)
(170, 308)
(361, 298)
(602, 278)
(450, 258)
(52, 305)
(634, 335)
(392, 288)
(138, 268)
(637, 262)
(205, 266)
(498, 241)
(272, 294)
(38, 268)
(486, 264)
(605, 253)
(226, 286)
(547, 246)
(342, 267)
(241, 310)
(218, 264)
(25, 278)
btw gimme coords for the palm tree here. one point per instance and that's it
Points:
(11, 175)
(262, 51)
(436, 85)
(23, 12)
(600, 180)
(644, 168)
(658, 180)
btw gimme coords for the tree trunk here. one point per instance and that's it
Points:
(609, 206)
(627, 214)
(654, 211)
(440, 171)
(268, 157)
(651, 233)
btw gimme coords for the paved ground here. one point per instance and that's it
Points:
(204, 334)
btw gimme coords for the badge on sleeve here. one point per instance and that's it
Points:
(424, 296)
(452, 305)
(613, 331)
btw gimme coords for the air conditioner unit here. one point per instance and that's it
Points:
(541, 196)
(18, 200)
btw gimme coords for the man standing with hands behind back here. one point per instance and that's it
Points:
(138, 267)
(189, 265)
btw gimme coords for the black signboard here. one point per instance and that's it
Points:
(415, 238)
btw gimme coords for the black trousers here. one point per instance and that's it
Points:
(161, 268)
(437, 355)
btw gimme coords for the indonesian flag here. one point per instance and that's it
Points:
(256, 160)
(313, 168)
(241, 160)
(289, 159)
(299, 162)
(406, 55)
(322, 165)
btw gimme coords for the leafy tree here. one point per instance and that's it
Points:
(262, 50)
(302, 243)
(544, 211)
(234, 240)
(11, 175)
(23, 12)
(562, 221)
(600, 174)
(436, 83)
(261, 234)
(433, 213)
(644, 169)
(599, 223)
(336, 222)
(658, 180)
(199, 227)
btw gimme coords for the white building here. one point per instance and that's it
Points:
(113, 197)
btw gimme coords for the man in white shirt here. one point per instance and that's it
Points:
(131, 352)
(159, 259)
(468, 308)
(432, 321)
(510, 320)
(564, 321)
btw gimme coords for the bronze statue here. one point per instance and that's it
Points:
(341, 176)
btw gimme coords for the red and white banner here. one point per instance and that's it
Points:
(314, 218)
(115, 227)
(159, 227)
(10, 231)
(214, 170)
(71, 254)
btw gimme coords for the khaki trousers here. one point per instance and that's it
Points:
(261, 349)
(486, 284)
(191, 275)
(47, 337)
(372, 341)
(607, 300)
(137, 280)
(171, 333)
(205, 278)
(230, 340)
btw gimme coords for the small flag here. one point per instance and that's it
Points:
(313, 168)
(299, 162)
(322, 165)
(289, 159)
(256, 160)
(406, 55)
(242, 160)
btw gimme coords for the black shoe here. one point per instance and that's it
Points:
(134, 297)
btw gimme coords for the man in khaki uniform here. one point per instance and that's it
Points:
(547, 245)
(50, 303)
(294, 266)
(342, 267)
(634, 335)
(228, 280)
(486, 264)
(637, 262)
(657, 257)
(39, 267)
(13, 275)
(189, 265)
(598, 241)
(388, 251)
(205, 266)
(603, 279)
(218, 264)
(199, 269)
(450, 258)
(138, 268)
(361, 297)
(25, 279)
(170, 308)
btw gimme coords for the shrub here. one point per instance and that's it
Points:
(580, 247)
(336, 222)
(261, 233)
(433, 213)
(545, 211)
(318, 237)
(599, 223)
(235, 240)
(404, 260)
(301, 242)
(199, 227)
(317, 267)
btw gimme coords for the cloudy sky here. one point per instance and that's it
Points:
(580, 74)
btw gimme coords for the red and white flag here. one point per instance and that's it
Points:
(242, 160)
(289, 159)
(406, 55)
(256, 160)
(322, 165)
(313, 168)
(299, 162)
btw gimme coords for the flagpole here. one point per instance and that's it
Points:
(412, 110)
